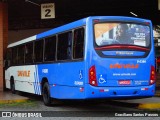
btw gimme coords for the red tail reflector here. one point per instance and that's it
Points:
(92, 76)
(101, 90)
(147, 23)
(152, 76)
(96, 20)
(81, 89)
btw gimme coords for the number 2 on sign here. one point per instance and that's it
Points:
(48, 11)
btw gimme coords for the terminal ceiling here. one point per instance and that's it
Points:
(25, 15)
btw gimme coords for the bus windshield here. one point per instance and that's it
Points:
(122, 33)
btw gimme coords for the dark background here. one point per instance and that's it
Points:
(25, 15)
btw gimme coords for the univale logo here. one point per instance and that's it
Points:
(120, 66)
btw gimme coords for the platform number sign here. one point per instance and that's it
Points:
(47, 11)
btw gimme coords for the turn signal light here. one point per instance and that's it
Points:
(152, 76)
(92, 76)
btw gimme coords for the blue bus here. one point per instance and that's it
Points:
(96, 57)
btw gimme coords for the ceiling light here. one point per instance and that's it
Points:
(32, 2)
(134, 14)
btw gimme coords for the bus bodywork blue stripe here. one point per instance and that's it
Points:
(37, 82)
(34, 82)
(39, 91)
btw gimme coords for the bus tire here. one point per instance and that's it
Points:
(12, 86)
(46, 94)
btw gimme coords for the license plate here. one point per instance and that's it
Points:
(124, 82)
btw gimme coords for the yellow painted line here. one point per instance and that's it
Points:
(13, 101)
(150, 106)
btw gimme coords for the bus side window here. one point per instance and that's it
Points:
(14, 56)
(50, 48)
(21, 54)
(78, 43)
(8, 57)
(29, 53)
(64, 46)
(38, 51)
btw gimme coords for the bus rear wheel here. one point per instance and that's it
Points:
(12, 87)
(46, 94)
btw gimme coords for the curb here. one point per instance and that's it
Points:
(149, 106)
(13, 101)
(157, 94)
(138, 105)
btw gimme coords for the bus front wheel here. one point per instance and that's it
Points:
(46, 94)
